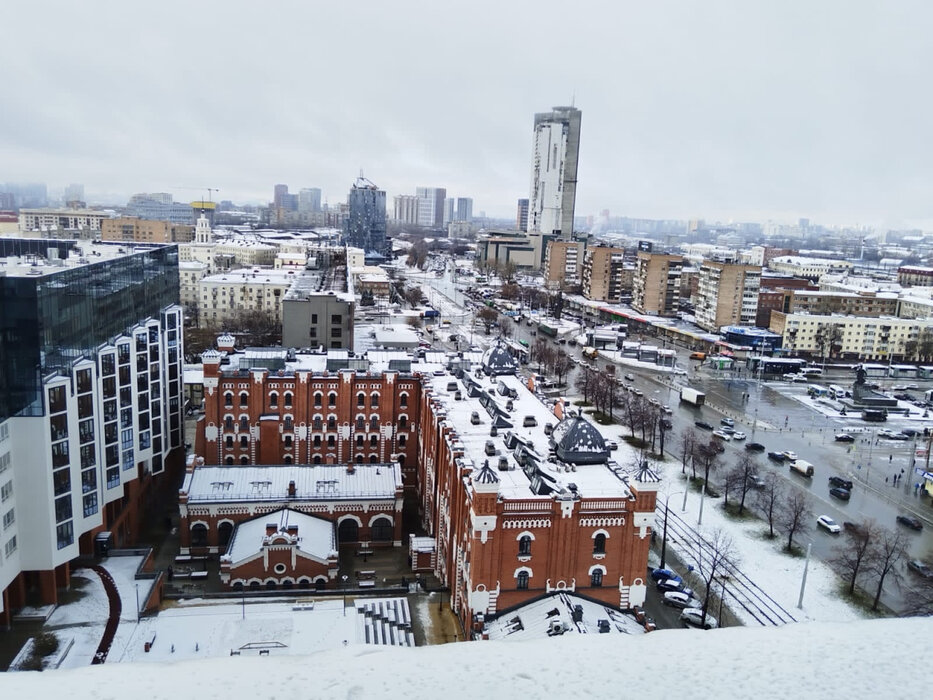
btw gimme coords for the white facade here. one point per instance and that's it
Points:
(189, 275)
(223, 296)
(66, 219)
(9, 540)
(862, 337)
(808, 267)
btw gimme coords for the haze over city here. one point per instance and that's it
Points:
(720, 110)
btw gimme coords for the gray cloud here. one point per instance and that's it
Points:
(722, 109)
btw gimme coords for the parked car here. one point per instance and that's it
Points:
(788, 454)
(667, 410)
(630, 376)
(738, 435)
(845, 437)
(676, 599)
(612, 444)
(722, 435)
(840, 493)
(693, 617)
(674, 584)
(680, 371)
(661, 574)
(915, 565)
(828, 524)
(703, 424)
(756, 482)
(777, 456)
(909, 521)
(727, 421)
(755, 447)
(840, 482)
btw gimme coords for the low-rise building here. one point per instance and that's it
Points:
(318, 310)
(130, 229)
(225, 296)
(811, 268)
(52, 220)
(915, 276)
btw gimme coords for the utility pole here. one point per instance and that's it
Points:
(803, 582)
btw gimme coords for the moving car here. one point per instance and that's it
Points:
(911, 522)
(693, 617)
(854, 528)
(727, 421)
(676, 599)
(840, 493)
(703, 424)
(661, 574)
(755, 447)
(722, 435)
(828, 524)
(612, 444)
(680, 371)
(630, 376)
(840, 482)
(667, 410)
(777, 456)
(788, 454)
(845, 437)
(738, 435)
(756, 482)
(915, 565)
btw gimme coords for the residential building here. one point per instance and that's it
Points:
(132, 229)
(727, 295)
(366, 223)
(159, 205)
(563, 264)
(555, 152)
(656, 283)
(406, 209)
(810, 268)
(521, 217)
(318, 309)
(224, 296)
(915, 276)
(91, 410)
(603, 275)
(464, 209)
(450, 210)
(309, 200)
(431, 206)
(87, 221)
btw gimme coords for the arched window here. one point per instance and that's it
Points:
(331, 422)
(287, 459)
(224, 530)
(316, 459)
(317, 441)
(401, 441)
(288, 441)
(382, 530)
(522, 580)
(403, 422)
(331, 400)
(374, 441)
(374, 422)
(270, 585)
(373, 459)
(317, 423)
(401, 460)
(524, 546)
(289, 423)
(244, 441)
(359, 459)
(274, 399)
(228, 422)
(361, 423)
(360, 400)
(228, 442)
(348, 531)
(244, 399)
(228, 461)
(331, 441)
(374, 401)
(244, 423)
(599, 544)
(403, 400)
(199, 535)
(288, 399)
(228, 400)
(359, 442)
(244, 460)
(596, 578)
(318, 400)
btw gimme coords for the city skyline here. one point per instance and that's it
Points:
(776, 113)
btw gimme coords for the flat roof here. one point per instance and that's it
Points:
(82, 253)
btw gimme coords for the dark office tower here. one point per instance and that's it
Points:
(521, 219)
(366, 222)
(556, 150)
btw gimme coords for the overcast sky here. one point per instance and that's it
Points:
(723, 110)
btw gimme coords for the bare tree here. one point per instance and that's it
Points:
(746, 468)
(856, 551)
(688, 441)
(413, 295)
(719, 555)
(487, 316)
(506, 327)
(586, 381)
(792, 513)
(769, 499)
(890, 550)
(707, 456)
(612, 392)
(413, 321)
(918, 600)
(562, 365)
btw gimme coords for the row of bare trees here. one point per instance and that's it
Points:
(550, 359)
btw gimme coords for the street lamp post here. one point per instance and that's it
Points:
(702, 499)
(344, 579)
(803, 581)
(137, 603)
(664, 535)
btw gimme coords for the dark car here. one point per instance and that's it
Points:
(910, 432)
(661, 574)
(716, 446)
(912, 523)
(845, 437)
(777, 456)
(840, 482)
(840, 493)
(703, 424)
(674, 584)
(919, 567)
(754, 447)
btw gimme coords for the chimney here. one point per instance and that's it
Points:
(292, 530)
(271, 529)
(350, 469)
(292, 491)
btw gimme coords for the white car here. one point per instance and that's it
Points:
(722, 435)
(678, 599)
(828, 524)
(667, 410)
(693, 617)
(738, 435)
(680, 371)
(789, 454)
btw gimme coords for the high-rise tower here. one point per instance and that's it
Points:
(366, 223)
(556, 149)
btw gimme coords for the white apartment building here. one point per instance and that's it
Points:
(64, 219)
(190, 275)
(857, 338)
(813, 268)
(222, 296)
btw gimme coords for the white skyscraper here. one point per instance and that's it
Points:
(556, 149)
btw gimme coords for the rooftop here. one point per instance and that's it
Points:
(36, 257)
(315, 536)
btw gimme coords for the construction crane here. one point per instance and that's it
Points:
(209, 190)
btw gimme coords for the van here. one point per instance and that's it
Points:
(451, 386)
(529, 421)
(490, 448)
(697, 355)
(474, 418)
(802, 467)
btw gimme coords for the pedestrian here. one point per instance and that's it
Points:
(885, 479)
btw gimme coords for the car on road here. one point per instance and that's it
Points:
(854, 528)
(777, 456)
(612, 444)
(739, 435)
(915, 565)
(703, 424)
(790, 376)
(754, 447)
(680, 371)
(910, 521)
(845, 437)
(630, 376)
(722, 435)
(788, 454)
(716, 446)
(676, 599)
(828, 524)
(727, 421)
(693, 617)
(840, 493)
(667, 410)
(889, 434)
(660, 574)
(756, 482)
(840, 482)
(674, 584)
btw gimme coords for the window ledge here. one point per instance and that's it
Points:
(523, 558)
(599, 555)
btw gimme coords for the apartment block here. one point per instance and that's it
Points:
(915, 276)
(656, 283)
(224, 296)
(87, 220)
(318, 310)
(727, 295)
(563, 264)
(603, 273)
(131, 229)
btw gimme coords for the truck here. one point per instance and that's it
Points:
(802, 467)
(589, 352)
(547, 330)
(692, 396)
(430, 313)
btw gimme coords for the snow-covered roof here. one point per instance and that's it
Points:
(498, 360)
(578, 441)
(313, 536)
(554, 616)
(321, 482)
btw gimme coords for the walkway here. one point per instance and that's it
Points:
(116, 607)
